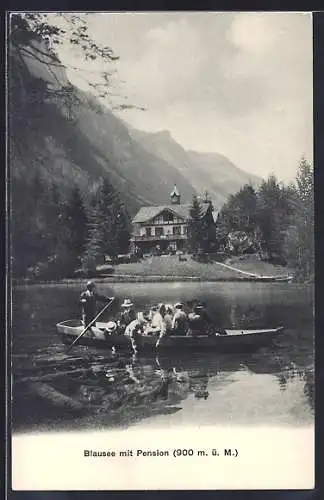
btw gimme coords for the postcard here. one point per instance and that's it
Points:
(161, 276)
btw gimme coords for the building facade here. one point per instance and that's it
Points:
(164, 227)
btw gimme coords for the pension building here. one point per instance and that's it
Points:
(165, 226)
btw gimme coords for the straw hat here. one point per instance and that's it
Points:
(127, 303)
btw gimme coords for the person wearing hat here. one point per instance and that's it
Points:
(126, 315)
(179, 322)
(199, 320)
(88, 300)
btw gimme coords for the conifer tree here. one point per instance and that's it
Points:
(195, 230)
(109, 229)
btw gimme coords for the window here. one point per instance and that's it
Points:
(159, 231)
(167, 217)
(185, 230)
(235, 220)
(148, 231)
(177, 230)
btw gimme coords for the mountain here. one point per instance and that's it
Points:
(70, 138)
(211, 172)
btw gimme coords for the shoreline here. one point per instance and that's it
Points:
(154, 279)
(170, 270)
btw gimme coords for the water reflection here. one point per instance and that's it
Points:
(120, 391)
(92, 388)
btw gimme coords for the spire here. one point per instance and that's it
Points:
(175, 196)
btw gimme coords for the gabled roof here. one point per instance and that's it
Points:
(146, 214)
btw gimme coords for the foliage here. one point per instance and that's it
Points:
(49, 229)
(47, 233)
(39, 36)
(201, 229)
(52, 234)
(238, 214)
(109, 227)
(74, 220)
(195, 226)
(276, 220)
(273, 217)
(300, 237)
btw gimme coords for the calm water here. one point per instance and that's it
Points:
(92, 388)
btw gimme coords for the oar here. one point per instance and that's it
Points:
(89, 325)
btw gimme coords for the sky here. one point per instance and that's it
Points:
(239, 84)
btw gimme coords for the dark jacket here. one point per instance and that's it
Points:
(89, 302)
(126, 317)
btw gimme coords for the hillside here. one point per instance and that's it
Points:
(205, 171)
(69, 137)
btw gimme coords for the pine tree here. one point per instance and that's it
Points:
(195, 230)
(93, 254)
(109, 228)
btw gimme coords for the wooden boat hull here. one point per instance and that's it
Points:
(233, 340)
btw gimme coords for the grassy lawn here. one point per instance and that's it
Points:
(167, 265)
(170, 266)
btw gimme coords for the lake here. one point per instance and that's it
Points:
(89, 388)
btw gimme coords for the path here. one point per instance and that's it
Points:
(251, 274)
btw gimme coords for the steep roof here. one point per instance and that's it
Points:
(146, 214)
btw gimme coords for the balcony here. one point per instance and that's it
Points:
(163, 237)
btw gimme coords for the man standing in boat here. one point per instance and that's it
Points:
(88, 299)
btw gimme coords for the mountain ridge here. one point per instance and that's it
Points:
(207, 171)
(78, 140)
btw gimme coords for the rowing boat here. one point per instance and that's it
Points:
(228, 340)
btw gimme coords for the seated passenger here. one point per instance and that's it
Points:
(199, 320)
(126, 316)
(166, 323)
(168, 319)
(179, 322)
(157, 323)
(152, 312)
